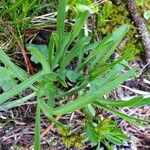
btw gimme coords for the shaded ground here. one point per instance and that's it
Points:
(17, 124)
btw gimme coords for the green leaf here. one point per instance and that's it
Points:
(97, 81)
(139, 2)
(61, 50)
(39, 56)
(89, 98)
(51, 48)
(43, 50)
(98, 68)
(20, 87)
(111, 75)
(118, 133)
(46, 88)
(114, 140)
(6, 79)
(77, 26)
(15, 103)
(91, 134)
(37, 140)
(106, 47)
(18, 72)
(83, 8)
(135, 102)
(91, 46)
(63, 82)
(72, 75)
(61, 18)
(78, 47)
(147, 14)
(107, 9)
(90, 110)
(116, 37)
(130, 119)
(98, 53)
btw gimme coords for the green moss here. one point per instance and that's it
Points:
(120, 15)
(71, 140)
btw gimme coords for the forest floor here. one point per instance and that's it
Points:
(17, 124)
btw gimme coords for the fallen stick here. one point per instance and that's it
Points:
(139, 22)
(49, 127)
(21, 46)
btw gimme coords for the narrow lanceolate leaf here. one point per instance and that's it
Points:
(109, 77)
(131, 119)
(51, 49)
(100, 69)
(117, 36)
(37, 54)
(135, 102)
(89, 98)
(47, 111)
(37, 141)
(61, 50)
(18, 72)
(75, 51)
(90, 47)
(112, 74)
(20, 87)
(61, 17)
(98, 53)
(78, 26)
(105, 48)
(18, 102)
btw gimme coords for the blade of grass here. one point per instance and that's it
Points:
(13, 7)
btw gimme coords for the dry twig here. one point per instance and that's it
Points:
(49, 127)
(142, 30)
(20, 44)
